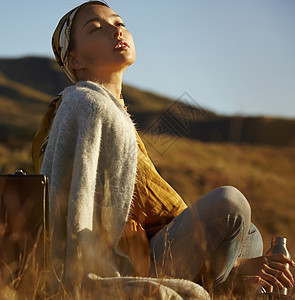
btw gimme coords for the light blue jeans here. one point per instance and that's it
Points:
(209, 235)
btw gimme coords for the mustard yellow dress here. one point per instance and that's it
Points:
(155, 204)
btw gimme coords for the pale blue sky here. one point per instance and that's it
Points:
(231, 56)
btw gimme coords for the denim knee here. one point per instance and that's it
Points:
(232, 201)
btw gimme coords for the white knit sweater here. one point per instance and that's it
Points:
(91, 161)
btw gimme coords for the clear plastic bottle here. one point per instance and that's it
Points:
(279, 246)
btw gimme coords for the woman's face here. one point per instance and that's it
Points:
(102, 45)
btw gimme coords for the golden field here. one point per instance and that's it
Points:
(265, 175)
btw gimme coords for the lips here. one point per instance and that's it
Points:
(121, 45)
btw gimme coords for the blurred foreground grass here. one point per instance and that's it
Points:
(264, 174)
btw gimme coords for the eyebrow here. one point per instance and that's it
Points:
(97, 19)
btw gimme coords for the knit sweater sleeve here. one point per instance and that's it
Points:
(91, 164)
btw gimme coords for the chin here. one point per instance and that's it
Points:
(131, 60)
(127, 61)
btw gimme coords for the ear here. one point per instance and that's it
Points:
(74, 63)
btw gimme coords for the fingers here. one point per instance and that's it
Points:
(273, 280)
(281, 271)
(264, 286)
(278, 266)
(282, 259)
(250, 280)
(273, 270)
(256, 284)
(247, 285)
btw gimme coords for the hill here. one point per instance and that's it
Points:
(151, 112)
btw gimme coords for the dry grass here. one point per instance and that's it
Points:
(12, 159)
(266, 176)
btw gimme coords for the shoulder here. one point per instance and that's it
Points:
(89, 101)
(85, 93)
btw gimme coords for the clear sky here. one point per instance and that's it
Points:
(231, 56)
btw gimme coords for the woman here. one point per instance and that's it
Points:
(111, 213)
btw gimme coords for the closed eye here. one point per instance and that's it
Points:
(120, 24)
(96, 28)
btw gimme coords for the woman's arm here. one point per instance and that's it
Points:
(91, 163)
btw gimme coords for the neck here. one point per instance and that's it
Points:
(113, 82)
(115, 89)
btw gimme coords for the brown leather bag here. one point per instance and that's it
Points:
(24, 240)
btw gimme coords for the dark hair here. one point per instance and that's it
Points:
(72, 42)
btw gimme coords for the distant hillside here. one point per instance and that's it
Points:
(40, 73)
(28, 84)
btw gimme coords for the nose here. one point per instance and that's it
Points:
(118, 32)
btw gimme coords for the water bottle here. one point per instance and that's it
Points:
(279, 246)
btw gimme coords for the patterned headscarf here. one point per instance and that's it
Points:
(60, 44)
(62, 36)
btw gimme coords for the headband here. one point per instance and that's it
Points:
(61, 40)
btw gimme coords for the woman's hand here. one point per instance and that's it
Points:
(272, 271)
